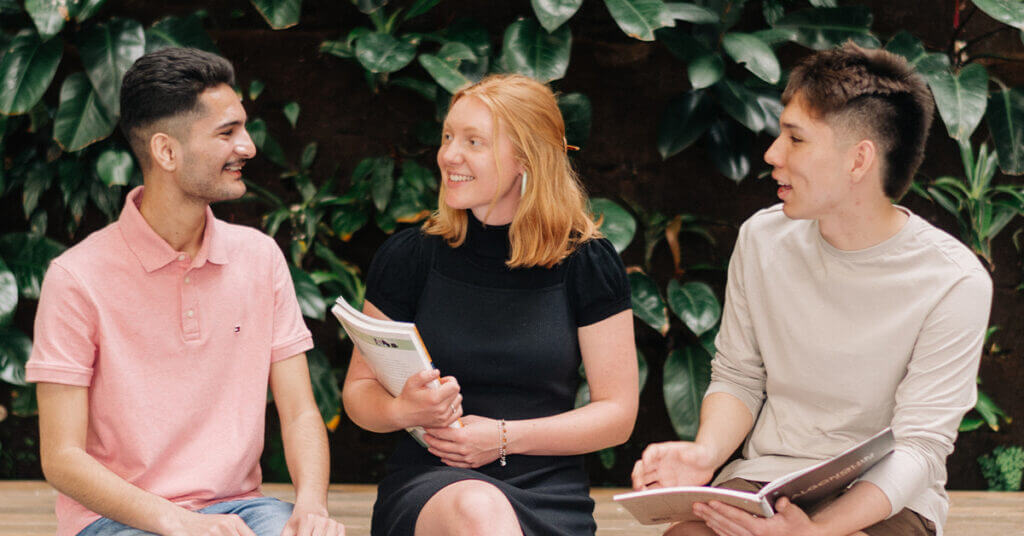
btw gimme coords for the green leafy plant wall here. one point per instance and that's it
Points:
(61, 64)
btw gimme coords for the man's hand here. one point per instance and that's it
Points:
(195, 524)
(421, 405)
(310, 522)
(674, 463)
(725, 520)
(476, 443)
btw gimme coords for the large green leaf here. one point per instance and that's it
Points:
(554, 13)
(647, 302)
(687, 374)
(48, 16)
(1009, 12)
(576, 112)
(15, 347)
(88, 8)
(1006, 122)
(706, 70)
(279, 14)
(179, 32)
(81, 119)
(311, 301)
(695, 304)
(26, 71)
(742, 105)
(446, 74)
(617, 224)
(825, 28)
(729, 148)
(685, 119)
(691, 13)
(28, 256)
(926, 63)
(961, 99)
(325, 387)
(530, 50)
(754, 54)
(8, 294)
(640, 18)
(108, 50)
(115, 166)
(382, 182)
(383, 53)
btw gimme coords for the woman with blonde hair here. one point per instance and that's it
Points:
(511, 287)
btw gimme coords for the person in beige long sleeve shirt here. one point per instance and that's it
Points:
(844, 314)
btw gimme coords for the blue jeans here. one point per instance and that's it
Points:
(266, 516)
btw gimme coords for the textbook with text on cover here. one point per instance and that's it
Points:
(805, 487)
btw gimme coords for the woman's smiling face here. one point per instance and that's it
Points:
(478, 163)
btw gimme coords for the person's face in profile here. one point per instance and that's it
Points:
(478, 163)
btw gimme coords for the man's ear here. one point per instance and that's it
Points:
(165, 151)
(864, 155)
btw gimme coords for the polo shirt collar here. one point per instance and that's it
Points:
(153, 251)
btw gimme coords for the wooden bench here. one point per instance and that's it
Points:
(26, 509)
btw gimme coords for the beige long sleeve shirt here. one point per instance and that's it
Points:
(827, 347)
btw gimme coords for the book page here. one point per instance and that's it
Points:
(672, 505)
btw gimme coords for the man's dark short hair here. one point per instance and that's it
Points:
(875, 94)
(164, 84)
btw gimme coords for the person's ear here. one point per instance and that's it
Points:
(165, 151)
(863, 154)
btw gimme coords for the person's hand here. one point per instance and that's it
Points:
(195, 524)
(725, 520)
(312, 521)
(421, 405)
(674, 463)
(477, 443)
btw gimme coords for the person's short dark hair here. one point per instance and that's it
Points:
(164, 84)
(871, 93)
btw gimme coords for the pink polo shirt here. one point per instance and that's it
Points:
(175, 351)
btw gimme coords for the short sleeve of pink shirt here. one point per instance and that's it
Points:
(175, 351)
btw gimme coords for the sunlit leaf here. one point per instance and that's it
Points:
(255, 89)
(446, 74)
(695, 304)
(291, 112)
(640, 18)
(1009, 12)
(961, 99)
(648, 304)
(617, 224)
(729, 148)
(754, 54)
(686, 377)
(8, 294)
(115, 166)
(311, 301)
(48, 16)
(691, 13)
(26, 71)
(706, 70)
(81, 119)
(741, 104)
(530, 50)
(383, 53)
(554, 13)
(279, 14)
(108, 50)
(924, 62)
(15, 347)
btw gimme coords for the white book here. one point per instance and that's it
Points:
(805, 487)
(393, 350)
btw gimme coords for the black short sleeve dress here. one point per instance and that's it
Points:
(509, 337)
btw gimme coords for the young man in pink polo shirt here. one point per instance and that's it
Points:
(156, 337)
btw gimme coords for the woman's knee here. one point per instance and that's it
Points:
(689, 528)
(470, 507)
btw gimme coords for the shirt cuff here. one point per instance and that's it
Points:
(39, 373)
(900, 476)
(294, 347)
(753, 403)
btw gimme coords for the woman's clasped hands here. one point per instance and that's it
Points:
(421, 404)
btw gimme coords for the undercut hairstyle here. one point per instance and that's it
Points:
(553, 216)
(166, 84)
(873, 94)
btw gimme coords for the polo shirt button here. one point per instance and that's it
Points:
(188, 279)
(181, 257)
(190, 313)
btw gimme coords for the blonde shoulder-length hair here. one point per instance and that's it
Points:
(552, 218)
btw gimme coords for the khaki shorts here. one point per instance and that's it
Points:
(904, 523)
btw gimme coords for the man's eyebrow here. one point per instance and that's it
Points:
(790, 126)
(227, 124)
